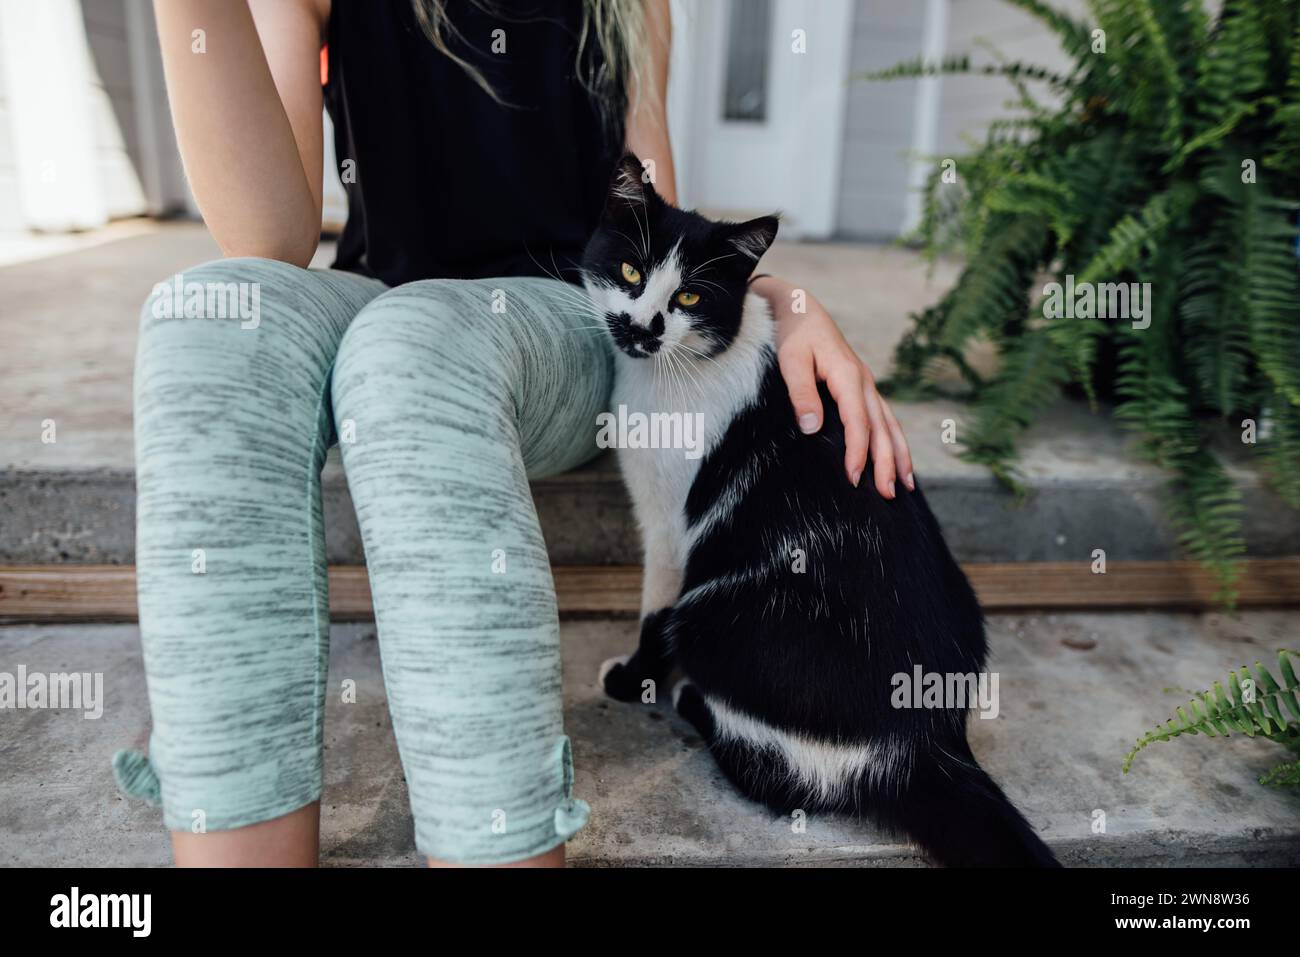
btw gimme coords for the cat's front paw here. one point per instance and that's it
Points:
(618, 681)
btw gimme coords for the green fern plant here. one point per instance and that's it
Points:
(1173, 157)
(1254, 704)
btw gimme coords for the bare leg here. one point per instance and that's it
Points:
(289, 841)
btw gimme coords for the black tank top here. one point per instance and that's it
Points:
(448, 182)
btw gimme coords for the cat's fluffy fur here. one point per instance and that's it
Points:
(788, 663)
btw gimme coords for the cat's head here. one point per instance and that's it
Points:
(667, 280)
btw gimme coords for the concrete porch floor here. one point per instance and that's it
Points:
(1076, 691)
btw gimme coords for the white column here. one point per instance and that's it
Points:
(48, 78)
(925, 127)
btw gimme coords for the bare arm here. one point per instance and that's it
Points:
(247, 112)
(647, 114)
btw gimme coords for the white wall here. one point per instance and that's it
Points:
(153, 140)
(879, 120)
(967, 106)
(67, 116)
(888, 126)
(11, 218)
(113, 107)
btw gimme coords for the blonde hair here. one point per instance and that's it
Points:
(616, 27)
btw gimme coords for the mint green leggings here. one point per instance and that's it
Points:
(446, 396)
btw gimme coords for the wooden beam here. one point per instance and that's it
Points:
(107, 592)
(1264, 583)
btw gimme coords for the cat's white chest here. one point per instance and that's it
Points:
(701, 402)
(659, 478)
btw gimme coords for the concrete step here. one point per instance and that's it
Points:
(1076, 690)
(1075, 505)
(74, 318)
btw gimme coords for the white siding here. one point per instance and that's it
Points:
(966, 107)
(11, 219)
(879, 119)
(879, 128)
(113, 104)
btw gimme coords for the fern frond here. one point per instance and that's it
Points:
(1235, 68)
(1278, 445)
(1204, 504)
(1031, 376)
(1214, 290)
(1215, 713)
(1285, 146)
(1166, 69)
(1283, 776)
(1076, 338)
(1206, 509)
(1268, 233)
(995, 284)
(1106, 181)
(919, 67)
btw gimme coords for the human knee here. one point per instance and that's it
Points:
(223, 291)
(239, 341)
(424, 345)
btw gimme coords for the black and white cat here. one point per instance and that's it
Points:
(789, 599)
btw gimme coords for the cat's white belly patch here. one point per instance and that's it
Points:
(829, 770)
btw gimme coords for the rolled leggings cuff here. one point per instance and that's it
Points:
(138, 778)
(506, 836)
(254, 795)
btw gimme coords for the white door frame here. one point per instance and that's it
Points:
(789, 162)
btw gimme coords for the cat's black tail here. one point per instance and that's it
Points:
(960, 817)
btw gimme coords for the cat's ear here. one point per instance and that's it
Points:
(629, 187)
(752, 238)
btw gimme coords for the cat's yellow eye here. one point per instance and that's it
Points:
(687, 298)
(631, 273)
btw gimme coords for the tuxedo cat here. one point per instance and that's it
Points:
(790, 600)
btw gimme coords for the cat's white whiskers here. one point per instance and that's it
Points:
(538, 263)
(636, 246)
(569, 294)
(707, 282)
(696, 352)
(683, 386)
(696, 270)
(670, 373)
(687, 371)
(644, 231)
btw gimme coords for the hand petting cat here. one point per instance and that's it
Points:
(811, 348)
